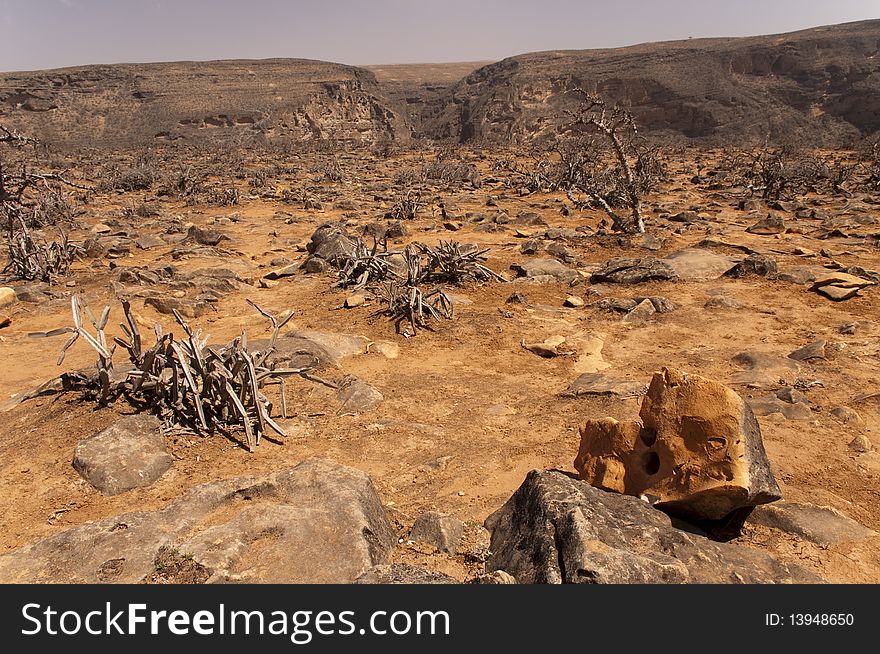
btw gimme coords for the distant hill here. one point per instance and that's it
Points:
(822, 84)
(217, 101)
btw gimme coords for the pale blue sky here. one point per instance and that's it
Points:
(38, 34)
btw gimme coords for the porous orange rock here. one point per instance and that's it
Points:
(697, 451)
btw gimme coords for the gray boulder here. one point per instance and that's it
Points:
(556, 529)
(130, 453)
(318, 522)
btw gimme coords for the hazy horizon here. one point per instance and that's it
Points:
(382, 32)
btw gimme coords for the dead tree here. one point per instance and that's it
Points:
(621, 185)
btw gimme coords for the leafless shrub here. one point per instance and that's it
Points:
(364, 266)
(185, 381)
(33, 258)
(450, 262)
(407, 301)
(614, 168)
(406, 205)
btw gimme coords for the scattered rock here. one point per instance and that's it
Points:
(861, 444)
(596, 383)
(442, 531)
(329, 243)
(768, 226)
(355, 300)
(556, 529)
(817, 524)
(698, 450)
(573, 301)
(210, 237)
(698, 264)
(148, 242)
(545, 267)
(7, 296)
(839, 286)
(548, 349)
(357, 396)
(620, 270)
(847, 416)
(765, 406)
(497, 577)
(186, 308)
(642, 312)
(334, 345)
(722, 302)
(754, 265)
(282, 272)
(130, 453)
(814, 350)
(762, 370)
(403, 573)
(650, 242)
(792, 395)
(517, 298)
(318, 522)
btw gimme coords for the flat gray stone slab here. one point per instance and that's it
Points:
(318, 522)
(130, 453)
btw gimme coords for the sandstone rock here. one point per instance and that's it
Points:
(600, 384)
(839, 286)
(357, 396)
(404, 573)
(698, 264)
(768, 226)
(7, 296)
(556, 529)
(545, 266)
(620, 270)
(442, 531)
(817, 524)
(355, 300)
(128, 454)
(573, 301)
(318, 522)
(698, 450)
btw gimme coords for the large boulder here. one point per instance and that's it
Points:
(330, 242)
(555, 529)
(620, 270)
(130, 453)
(318, 522)
(697, 451)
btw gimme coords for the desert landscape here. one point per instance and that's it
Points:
(599, 316)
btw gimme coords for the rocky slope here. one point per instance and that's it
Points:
(821, 83)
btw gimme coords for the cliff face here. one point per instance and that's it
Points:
(822, 84)
(220, 101)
